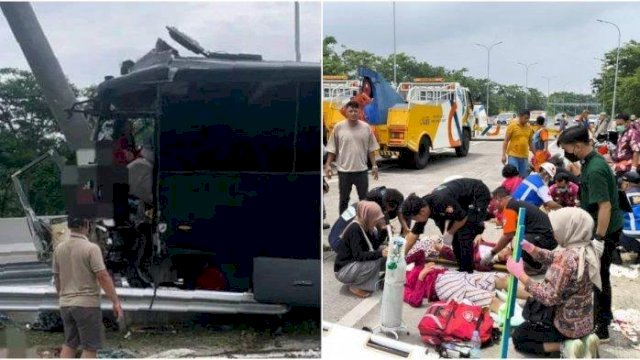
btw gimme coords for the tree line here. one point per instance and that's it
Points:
(628, 89)
(340, 60)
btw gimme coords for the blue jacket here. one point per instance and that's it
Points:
(632, 219)
(533, 190)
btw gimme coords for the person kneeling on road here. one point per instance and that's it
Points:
(537, 227)
(567, 287)
(389, 201)
(359, 259)
(629, 240)
(459, 208)
(534, 188)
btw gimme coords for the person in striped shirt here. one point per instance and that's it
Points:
(478, 288)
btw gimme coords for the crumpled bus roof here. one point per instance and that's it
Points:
(166, 67)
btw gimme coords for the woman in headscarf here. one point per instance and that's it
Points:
(359, 260)
(574, 268)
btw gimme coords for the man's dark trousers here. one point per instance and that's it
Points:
(602, 298)
(346, 180)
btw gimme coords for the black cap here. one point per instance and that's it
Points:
(632, 177)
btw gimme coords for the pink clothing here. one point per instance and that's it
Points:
(511, 184)
(565, 197)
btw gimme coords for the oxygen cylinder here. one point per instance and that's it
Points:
(396, 267)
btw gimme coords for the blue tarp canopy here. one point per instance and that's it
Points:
(384, 97)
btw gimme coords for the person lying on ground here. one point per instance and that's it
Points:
(537, 227)
(568, 285)
(359, 259)
(433, 248)
(432, 282)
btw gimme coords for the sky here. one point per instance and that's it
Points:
(91, 40)
(564, 38)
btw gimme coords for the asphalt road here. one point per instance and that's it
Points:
(483, 162)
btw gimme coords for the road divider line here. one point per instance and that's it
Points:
(360, 311)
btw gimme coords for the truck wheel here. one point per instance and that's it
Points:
(463, 149)
(417, 160)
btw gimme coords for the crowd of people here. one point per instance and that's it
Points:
(575, 225)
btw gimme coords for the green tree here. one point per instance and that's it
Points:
(629, 94)
(27, 130)
(628, 67)
(332, 62)
(502, 97)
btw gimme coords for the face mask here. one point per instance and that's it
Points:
(571, 156)
(562, 190)
(621, 128)
(393, 213)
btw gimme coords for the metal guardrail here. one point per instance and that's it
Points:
(44, 298)
(25, 273)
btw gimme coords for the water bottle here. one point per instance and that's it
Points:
(475, 345)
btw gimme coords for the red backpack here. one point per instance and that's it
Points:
(449, 321)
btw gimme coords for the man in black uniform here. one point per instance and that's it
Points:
(459, 209)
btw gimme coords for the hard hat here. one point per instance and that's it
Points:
(632, 177)
(549, 168)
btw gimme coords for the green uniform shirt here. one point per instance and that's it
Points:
(598, 184)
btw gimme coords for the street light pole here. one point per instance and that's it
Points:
(395, 74)
(548, 86)
(297, 30)
(488, 48)
(604, 84)
(564, 89)
(526, 82)
(615, 81)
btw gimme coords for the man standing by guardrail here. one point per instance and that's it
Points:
(79, 273)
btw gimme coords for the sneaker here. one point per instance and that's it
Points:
(516, 318)
(573, 349)
(502, 295)
(602, 331)
(591, 343)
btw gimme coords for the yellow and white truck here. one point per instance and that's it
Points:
(435, 115)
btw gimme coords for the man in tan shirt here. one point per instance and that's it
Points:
(351, 142)
(79, 273)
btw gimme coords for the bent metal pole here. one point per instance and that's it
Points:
(48, 73)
